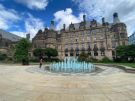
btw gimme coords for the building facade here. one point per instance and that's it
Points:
(96, 39)
(6, 40)
(131, 39)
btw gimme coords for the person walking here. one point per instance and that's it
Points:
(41, 62)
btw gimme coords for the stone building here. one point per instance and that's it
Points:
(96, 39)
(131, 39)
(6, 40)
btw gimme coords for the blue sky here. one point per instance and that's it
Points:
(28, 16)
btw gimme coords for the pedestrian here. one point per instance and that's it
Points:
(41, 62)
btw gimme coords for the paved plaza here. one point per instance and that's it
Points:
(21, 83)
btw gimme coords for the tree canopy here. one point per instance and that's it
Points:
(125, 52)
(128, 51)
(49, 52)
(38, 52)
(21, 50)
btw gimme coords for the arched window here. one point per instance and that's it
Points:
(102, 49)
(89, 50)
(95, 49)
(71, 52)
(77, 51)
(66, 52)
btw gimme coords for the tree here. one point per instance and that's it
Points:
(38, 52)
(125, 52)
(131, 51)
(121, 51)
(50, 52)
(21, 50)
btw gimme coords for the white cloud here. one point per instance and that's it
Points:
(34, 4)
(66, 17)
(32, 25)
(7, 17)
(19, 33)
(106, 8)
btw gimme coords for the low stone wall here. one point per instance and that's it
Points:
(125, 68)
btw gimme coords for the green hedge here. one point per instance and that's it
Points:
(3, 57)
(105, 60)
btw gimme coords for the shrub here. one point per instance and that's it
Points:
(51, 60)
(105, 60)
(2, 56)
(38, 52)
(34, 60)
(83, 57)
(91, 59)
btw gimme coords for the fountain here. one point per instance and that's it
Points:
(71, 65)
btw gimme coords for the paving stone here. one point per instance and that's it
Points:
(28, 83)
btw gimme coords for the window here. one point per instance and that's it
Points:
(102, 51)
(77, 51)
(113, 44)
(89, 50)
(72, 52)
(77, 54)
(89, 53)
(122, 35)
(95, 53)
(95, 49)
(113, 53)
(66, 52)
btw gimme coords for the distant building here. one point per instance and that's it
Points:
(6, 40)
(131, 39)
(28, 36)
(96, 39)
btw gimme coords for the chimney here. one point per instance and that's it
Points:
(84, 18)
(64, 26)
(52, 25)
(116, 18)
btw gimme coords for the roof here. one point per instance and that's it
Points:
(88, 23)
(9, 36)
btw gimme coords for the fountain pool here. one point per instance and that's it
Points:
(71, 65)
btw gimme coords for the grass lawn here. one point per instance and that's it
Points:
(125, 64)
